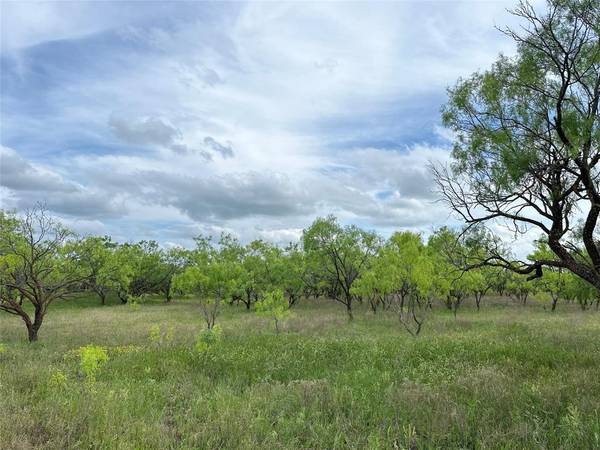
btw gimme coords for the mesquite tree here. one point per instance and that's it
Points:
(527, 149)
(35, 266)
(337, 256)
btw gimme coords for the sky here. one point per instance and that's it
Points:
(165, 120)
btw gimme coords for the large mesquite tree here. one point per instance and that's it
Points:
(36, 267)
(527, 149)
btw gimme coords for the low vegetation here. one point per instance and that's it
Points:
(511, 376)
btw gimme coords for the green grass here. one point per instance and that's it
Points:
(507, 377)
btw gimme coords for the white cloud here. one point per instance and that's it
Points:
(250, 118)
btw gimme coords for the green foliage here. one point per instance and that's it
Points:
(275, 306)
(37, 266)
(527, 137)
(3, 349)
(58, 380)
(519, 288)
(133, 304)
(211, 276)
(160, 336)
(336, 257)
(208, 338)
(492, 380)
(92, 358)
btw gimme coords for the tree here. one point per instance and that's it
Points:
(98, 256)
(34, 266)
(288, 270)
(153, 268)
(575, 288)
(258, 271)
(172, 262)
(124, 255)
(392, 273)
(275, 306)
(451, 283)
(419, 302)
(211, 276)
(554, 280)
(376, 284)
(336, 257)
(519, 288)
(527, 139)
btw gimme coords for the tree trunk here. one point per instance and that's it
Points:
(349, 309)
(554, 302)
(449, 302)
(373, 304)
(33, 328)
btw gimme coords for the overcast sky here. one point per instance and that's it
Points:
(165, 120)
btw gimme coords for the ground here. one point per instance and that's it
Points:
(509, 376)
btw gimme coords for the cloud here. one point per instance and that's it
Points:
(237, 195)
(247, 117)
(146, 131)
(20, 175)
(224, 150)
(28, 184)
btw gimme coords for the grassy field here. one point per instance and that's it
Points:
(506, 377)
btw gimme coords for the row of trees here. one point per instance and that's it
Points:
(41, 261)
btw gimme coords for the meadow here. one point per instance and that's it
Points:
(509, 376)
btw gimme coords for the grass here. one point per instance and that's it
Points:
(509, 377)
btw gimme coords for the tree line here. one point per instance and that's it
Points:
(41, 261)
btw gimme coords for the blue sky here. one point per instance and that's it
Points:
(162, 120)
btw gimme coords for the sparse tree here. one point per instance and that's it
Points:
(337, 256)
(275, 306)
(35, 267)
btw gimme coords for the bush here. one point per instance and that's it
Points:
(92, 358)
(58, 380)
(159, 337)
(207, 338)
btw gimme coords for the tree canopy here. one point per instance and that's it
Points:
(528, 136)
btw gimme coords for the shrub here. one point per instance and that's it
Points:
(58, 380)
(92, 358)
(159, 337)
(207, 338)
(135, 302)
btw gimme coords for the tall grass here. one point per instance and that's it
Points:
(507, 377)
